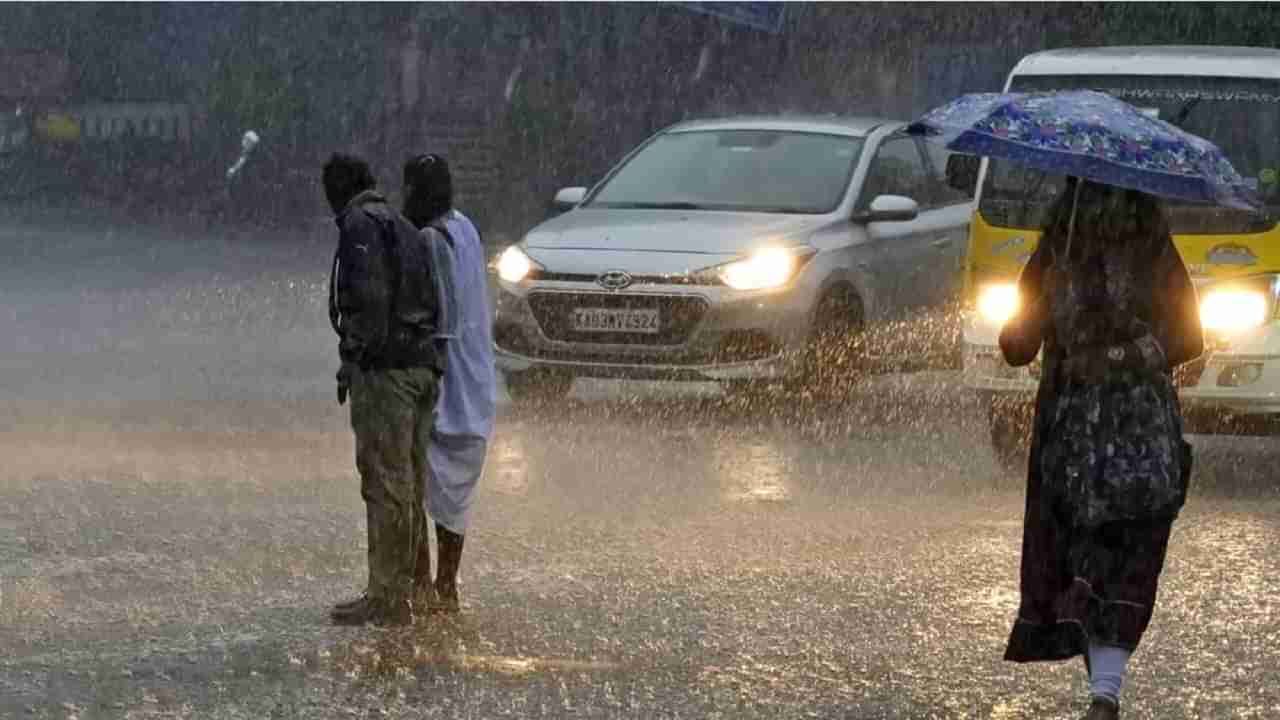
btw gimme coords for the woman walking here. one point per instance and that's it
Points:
(1108, 298)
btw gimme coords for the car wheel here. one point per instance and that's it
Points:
(1009, 421)
(831, 357)
(537, 386)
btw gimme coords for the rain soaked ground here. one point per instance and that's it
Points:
(178, 509)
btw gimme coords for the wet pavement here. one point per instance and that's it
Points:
(179, 508)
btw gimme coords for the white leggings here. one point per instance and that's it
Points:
(1107, 666)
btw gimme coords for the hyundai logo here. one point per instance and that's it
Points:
(614, 280)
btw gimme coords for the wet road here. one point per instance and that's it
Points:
(178, 509)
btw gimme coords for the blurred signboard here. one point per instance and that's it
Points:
(158, 120)
(765, 16)
(57, 127)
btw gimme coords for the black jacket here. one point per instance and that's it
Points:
(382, 298)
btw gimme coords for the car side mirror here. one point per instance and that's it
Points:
(889, 208)
(569, 198)
(962, 173)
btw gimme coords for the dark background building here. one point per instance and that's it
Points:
(524, 97)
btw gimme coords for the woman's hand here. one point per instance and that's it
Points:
(1023, 334)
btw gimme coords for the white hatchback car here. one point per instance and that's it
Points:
(743, 251)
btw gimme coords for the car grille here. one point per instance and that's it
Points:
(674, 279)
(678, 315)
(735, 346)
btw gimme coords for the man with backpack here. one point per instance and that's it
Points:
(384, 304)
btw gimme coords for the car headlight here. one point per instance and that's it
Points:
(514, 265)
(1232, 310)
(998, 303)
(764, 269)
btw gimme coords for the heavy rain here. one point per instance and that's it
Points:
(668, 524)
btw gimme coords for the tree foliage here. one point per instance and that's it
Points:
(1249, 24)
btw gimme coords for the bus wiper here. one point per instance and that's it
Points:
(1184, 112)
(1030, 192)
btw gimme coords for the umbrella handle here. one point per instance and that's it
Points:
(1071, 224)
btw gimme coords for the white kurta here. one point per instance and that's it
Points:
(469, 391)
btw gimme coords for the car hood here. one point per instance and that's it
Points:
(661, 240)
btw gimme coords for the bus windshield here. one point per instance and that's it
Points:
(1240, 115)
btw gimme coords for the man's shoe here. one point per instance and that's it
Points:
(348, 604)
(356, 612)
(1103, 709)
(376, 611)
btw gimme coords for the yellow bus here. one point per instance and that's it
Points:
(1229, 95)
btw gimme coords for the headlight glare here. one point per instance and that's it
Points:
(1230, 311)
(764, 269)
(514, 265)
(997, 303)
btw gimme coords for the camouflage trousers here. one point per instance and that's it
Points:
(392, 414)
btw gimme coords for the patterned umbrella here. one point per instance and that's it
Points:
(1089, 135)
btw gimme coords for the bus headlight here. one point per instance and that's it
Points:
(1231, 311)
(998, 303)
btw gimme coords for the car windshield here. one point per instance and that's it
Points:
(740, 170)
(1240, 115)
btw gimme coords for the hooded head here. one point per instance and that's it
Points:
(428, 189)
(344, 177)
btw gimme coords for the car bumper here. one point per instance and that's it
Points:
(1242, 378)
(709, 333)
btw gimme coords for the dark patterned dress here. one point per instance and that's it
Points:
(1108, 466)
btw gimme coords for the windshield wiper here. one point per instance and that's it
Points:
(778, 209)
(655, 205)
(1181, 117)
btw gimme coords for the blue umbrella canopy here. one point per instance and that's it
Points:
(1089, 135)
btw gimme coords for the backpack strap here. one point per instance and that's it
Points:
(391, 261)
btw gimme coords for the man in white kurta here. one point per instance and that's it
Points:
(468, 398)
(465, 415)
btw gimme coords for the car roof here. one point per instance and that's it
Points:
(825, 124)
(1164, 60)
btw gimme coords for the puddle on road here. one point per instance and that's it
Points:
(999, 600)
(1221, 546)
(523, 665)
(398, 657)
(752, 472)
(1012, 709)
(507, 468)
(762, 492)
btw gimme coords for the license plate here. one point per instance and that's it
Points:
(620, 321)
